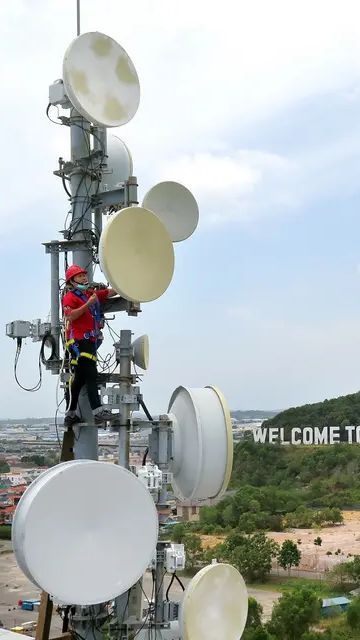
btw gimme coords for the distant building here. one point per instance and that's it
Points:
(188, 511)
(108, 457)
(30, 474)
(5, 500)
(170, 522)
(7, 514)
(136, 459)
(9, 498)
(331, 605)
(12, 460)
(14, 478)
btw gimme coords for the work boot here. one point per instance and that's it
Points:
(102, 415)
(71, 419)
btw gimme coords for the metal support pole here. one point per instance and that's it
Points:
(98, 222)
(125, 390)
(81, 189)
(86, 438)
(55, 303)
(159, 582)
(81, 182)
(159, 452)
(100, 145)
(163, 462)
(122, 611)
(77, 17)
(131, 191)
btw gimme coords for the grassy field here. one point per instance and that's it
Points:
(339, 628)
(282, 584)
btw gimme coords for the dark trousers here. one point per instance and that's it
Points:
(85, 373)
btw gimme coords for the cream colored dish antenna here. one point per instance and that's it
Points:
(141, 352)
(61, 559)
(202, 443)
(176, 206)
(136, 254)
(119, 164)
(100, 80)
(215, 605)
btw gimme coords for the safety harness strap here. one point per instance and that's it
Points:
(73, 346)
(83, 354)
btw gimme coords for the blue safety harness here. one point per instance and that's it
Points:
(95, 334)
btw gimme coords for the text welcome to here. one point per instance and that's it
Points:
(307, 435)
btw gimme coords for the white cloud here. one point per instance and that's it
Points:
(240, 312)
(233, 186)
(215, 174)
(244, 185)
(205, 74)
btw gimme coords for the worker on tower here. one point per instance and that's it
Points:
(83, 336)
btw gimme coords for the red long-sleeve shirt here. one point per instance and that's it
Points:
(77, 328)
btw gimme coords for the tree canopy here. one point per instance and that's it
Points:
(289, 555)
(293, 615)
(341, 411)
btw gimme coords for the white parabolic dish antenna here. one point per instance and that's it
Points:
(100, 80)
(16, 531)
(58, 542)
(136, 254)
(202, 443)
(119, 163)
(215, 605)
(176, 206)
(141, 352)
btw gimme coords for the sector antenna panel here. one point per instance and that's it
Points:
(176, 206)
(136, 254)
(215, 605)
(202, 443)
(58, 542)
(100, 80)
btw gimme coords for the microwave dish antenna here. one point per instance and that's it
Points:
(119, 164)
(141, 352)
(215, 604)
(100, 80)
(136, 254)
(176, 207)
(58, 541)
(202, 443)
(17, 531)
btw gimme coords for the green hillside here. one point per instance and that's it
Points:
(342, 411)
(275, 487)
(315, 476)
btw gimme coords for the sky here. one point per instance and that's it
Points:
(255, 107)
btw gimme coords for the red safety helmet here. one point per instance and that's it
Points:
(73, 271)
